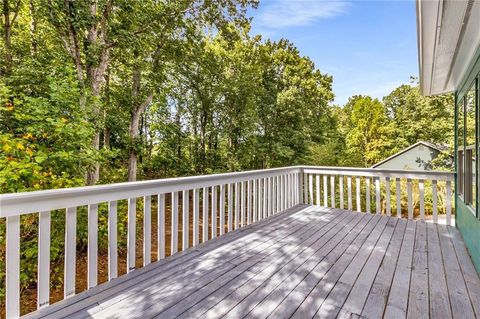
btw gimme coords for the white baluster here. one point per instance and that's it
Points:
(237, 204)
(112, 241)
(185, 218)
(70, 252)
(448, 207)
(332, 190)
(147, 230)
(317, 190)
(222, 209)
(254, 201)
(92, 253)
(340, 186)
(305, 188)
(230, 207)
(409, 198)
(378, 207)
(249, 203)
(43, 287)
(265, 206)
(174, 236)
(421, 190)
(325, 191)
(242, 204)
(367, 194)
(398, 193)
(131, 233)
(205, 215)
(349, 192)
(357, 192)
(310, 189)
(161, 226)
(435, 201)
(12, 261)
(196, 216)
(214, 211)
(387, 195)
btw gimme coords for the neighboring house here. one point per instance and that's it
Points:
(416, 157)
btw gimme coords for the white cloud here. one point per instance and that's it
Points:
(278, 14)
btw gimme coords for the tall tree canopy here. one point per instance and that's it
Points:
(105, 91)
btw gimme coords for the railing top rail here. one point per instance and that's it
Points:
(375, 172)
(27, 202)
(45, 200)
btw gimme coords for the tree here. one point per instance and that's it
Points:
(369, 130)
(416, 117)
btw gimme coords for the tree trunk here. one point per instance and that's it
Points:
(96, 68)
(134, 132)
(7, 32)
(33, 28)
(93, 174)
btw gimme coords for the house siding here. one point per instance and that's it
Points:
(466, 218)
(416, 158)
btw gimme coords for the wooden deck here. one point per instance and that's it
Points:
(306, 262)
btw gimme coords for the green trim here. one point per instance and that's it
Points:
(477, 134)
(469, 226)
(455, 154)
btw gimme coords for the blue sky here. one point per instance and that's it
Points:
(368, 46)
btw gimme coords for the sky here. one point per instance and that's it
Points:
(369, 47)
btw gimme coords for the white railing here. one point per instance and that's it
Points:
(251, 196)
(225, 201)
(408, 188)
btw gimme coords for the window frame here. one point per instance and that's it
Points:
(465, 167)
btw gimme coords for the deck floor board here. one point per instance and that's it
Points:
(307, 261)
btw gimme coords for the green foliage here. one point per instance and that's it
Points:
(73, 80)
(372, 130)
(43, 138)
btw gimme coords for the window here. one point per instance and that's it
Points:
(460, 149)
(470, 148)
